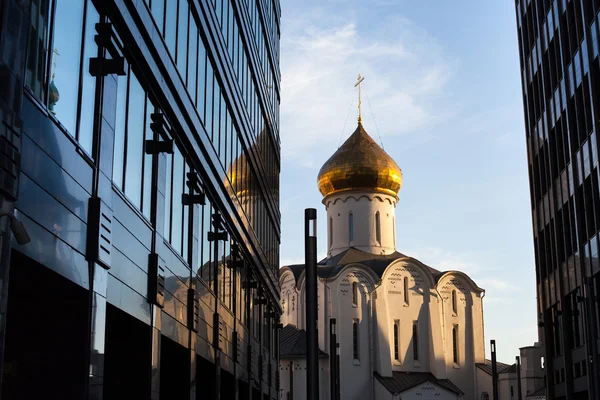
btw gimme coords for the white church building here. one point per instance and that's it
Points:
(405, 330)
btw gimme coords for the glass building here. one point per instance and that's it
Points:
(139, 199)
(560, 72)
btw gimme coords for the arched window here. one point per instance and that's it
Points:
(394, 230)
(377, 228)
(330, 232)
(288, 303)
(455, 344)
(454, 306)
(355, 293)
(406, 290)
(415, 340)
(351, 227)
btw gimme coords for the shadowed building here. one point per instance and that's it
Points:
(560, 75)
(139, 147)
(405, 330)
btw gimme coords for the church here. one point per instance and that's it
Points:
(390, 327)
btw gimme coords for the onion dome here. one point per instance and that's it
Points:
(360, 164)
(243, 181)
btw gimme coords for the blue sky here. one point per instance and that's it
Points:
(443, 83)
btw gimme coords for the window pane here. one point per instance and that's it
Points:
(88, 90)
(206, 245)
(135, 138)
(37, 49)
(67, 43)
(158, 12)
(176, 202)
(118, 156)
(147, 190)
(216, 114)
(171, 26)
(168, 197)
(192, 61)
(209, 98)
(182, 36)
(200, 92)
(186, 214)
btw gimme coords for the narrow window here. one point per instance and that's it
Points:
(415, 340)
(394, 230)
(454, 307)
(406, 290)
(288, 303)
(455, 344)
(355, 339)
(355, 293)
(396, 333)
(351, 227)
(377, 228)
(330, 232)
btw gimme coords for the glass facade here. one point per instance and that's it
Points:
(151, 132)
(560, 73)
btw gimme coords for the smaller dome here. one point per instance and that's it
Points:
(360, 164)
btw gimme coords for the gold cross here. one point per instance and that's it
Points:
(359, 81)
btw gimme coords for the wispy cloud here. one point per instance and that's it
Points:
(321, 56)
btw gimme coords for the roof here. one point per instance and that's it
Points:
(402, 381)
(487, 367)
(378, 263)
(538, 393)
(292, 343)
(360, 164)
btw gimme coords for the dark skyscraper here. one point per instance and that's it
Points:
(560, 72)
(139, 149)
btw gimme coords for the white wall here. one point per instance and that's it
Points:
(299, 379)
(532, 374)
(363, 207)
(429, 303)
(392, 307)
(505, 382)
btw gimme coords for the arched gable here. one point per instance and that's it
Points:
(285, 274)
(364, 273)
(460, 280)
(412, 266)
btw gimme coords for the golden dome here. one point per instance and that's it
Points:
(360, 164)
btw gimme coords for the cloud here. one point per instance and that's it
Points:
(322, 53)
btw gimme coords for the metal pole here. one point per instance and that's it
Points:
(332, 358)
(519, 395)
(494, 370)
(590, 340)
(310, 256)
(337, 372)
(291, 392)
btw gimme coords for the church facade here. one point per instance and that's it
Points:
(402, 329)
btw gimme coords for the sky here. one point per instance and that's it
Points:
(443, 95)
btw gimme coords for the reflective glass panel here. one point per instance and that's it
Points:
(68, 20)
